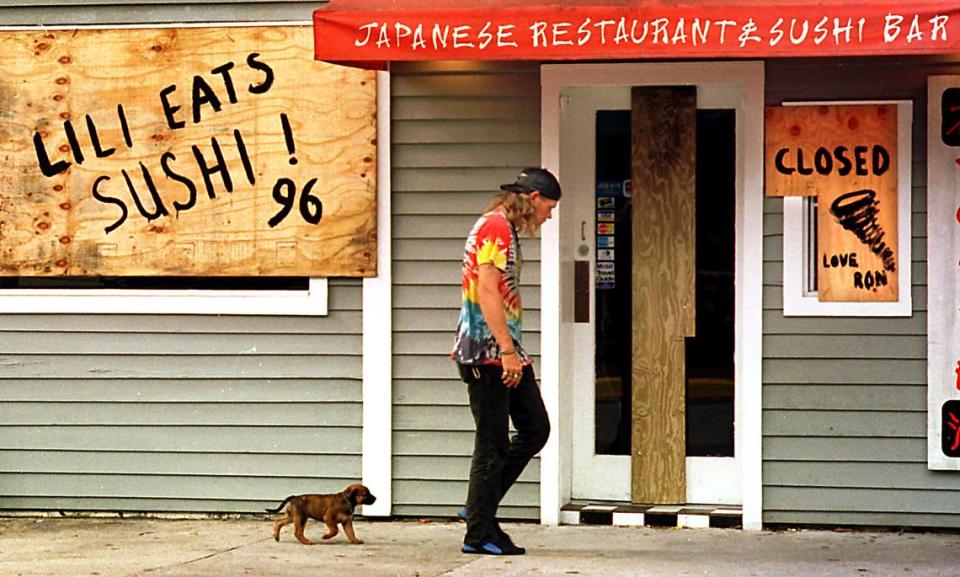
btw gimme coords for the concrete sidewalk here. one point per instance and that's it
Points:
(193, 548)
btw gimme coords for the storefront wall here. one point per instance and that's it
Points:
(189, 413)
(845, 399)
(458, 131)
(173, 413)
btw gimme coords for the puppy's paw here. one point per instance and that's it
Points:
(358, 542)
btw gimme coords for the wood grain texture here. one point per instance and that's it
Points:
(848, 151)
(184, 93)
(664, 266)
(875, 279)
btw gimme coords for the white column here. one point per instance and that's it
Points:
(549, 370)
(748, 405)
(377, 458)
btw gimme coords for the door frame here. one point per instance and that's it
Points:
(709, 480)
(556, 269)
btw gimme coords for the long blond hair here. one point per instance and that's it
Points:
(518, 209)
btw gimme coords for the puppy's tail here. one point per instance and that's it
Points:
(281, 505)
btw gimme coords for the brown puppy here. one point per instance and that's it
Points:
(331, 509)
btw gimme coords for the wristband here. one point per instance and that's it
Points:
(510, 352)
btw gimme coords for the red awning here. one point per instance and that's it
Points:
(369, 33)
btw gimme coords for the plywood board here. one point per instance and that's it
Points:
(184, 152)
(846, 155)
(664, 268)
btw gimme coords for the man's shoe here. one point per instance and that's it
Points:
(493, 547)
(502, 535)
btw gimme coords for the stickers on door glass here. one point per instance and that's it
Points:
(606, 275)
(614, 188)
(605, 254)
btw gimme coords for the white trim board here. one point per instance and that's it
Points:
(607, 477)
(554, 484)
(311, 302)
(377, 460)
(554, 464)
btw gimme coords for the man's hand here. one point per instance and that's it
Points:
(512, 370)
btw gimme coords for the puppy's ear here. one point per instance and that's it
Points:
(352, 494)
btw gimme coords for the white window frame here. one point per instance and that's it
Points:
(798, 299)
(310, 302)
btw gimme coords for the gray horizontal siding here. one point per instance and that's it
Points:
(173, 413)
(183, 464)
(818, 450)
(862, 518)
(143, 504)
(144, 486)
(852, 371)
(105, 12)
(458, 132)
(426, 498)
(902, 347)
(867, 499)
(445, 179)
(481, 132)
(817, 423)
(254, 392)
(872, 476)
(177, 413)
(159, 365)
(124, 343)
(468, 155)
(215, 440)
(844, 399)
(775, 323)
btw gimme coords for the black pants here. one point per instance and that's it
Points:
(498, 460)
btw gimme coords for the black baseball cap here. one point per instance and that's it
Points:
(535, 179)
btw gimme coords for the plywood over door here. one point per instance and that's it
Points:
(664, 266)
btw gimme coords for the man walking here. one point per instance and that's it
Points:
(491, 359)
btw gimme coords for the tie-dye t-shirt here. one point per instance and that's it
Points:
(492, 240)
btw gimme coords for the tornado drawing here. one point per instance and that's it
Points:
(857, 212)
